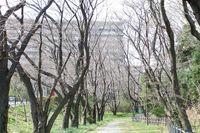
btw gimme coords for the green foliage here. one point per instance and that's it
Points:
(188, 89)
(195, 57)
(90, 118)
(53, 103)
(158, 111)
(125, 106)
(188, 56)
(187, 44)
(16, 120)
(150, 100)
(196, 66)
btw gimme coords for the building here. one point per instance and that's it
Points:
(103, 36)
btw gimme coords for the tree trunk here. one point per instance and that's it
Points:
(114, 112)
(175, 82)
(85, 117)
(67, 113)
(42, 117)
(94, 119)
(25, 114)
(4, 80)
(33, 101)
(4, 98)
(99, 116)
(195, 5)
(95, 106)
(75, 121)
(84, 105)
(98, 112)
(102, 112)
(85, 108)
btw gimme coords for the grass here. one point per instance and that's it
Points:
(125, 118)
(92, 127)
(17, 123)
(140, 127)
(196, 128)
(16, 120)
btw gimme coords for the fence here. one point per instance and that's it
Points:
(153, 120)
(175, 129)
(150, 120)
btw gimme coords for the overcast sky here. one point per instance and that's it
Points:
(108, 7)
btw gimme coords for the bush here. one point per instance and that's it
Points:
(124, 106)
(53, 103)
(158, 111)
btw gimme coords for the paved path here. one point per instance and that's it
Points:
(114, 127)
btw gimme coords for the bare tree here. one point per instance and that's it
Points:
(69, 89)
(155, 51)
(7, 72)
(114, 93)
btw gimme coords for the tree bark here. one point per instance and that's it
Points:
(84, 105)
(175, 83)
(75, 121)
(99, 116)
(102, 112)
(4, 98)
(94, 112)
(195, 5)
(33, 100)
(4, 80)
(67, 113)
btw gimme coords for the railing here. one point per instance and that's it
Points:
(150, 120)
(175, 129)
(153, 120)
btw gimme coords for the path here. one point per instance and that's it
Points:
(115, 127)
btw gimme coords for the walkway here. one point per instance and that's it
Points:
(115, 127)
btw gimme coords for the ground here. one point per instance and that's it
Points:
(121, 123)
(115, 127)
(128, 126)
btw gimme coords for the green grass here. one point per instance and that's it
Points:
(17, 123)
(196, 128)
(128, 124)
(140, 127)
(92, 127)
(16, 120)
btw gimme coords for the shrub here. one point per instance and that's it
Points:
(124, 106)
(158, 111)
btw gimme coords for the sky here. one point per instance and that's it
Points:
(115, 5)
(108, 7)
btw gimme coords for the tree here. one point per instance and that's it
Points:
(56, 46)
(115, 90)
(175, 82)
(6, 72)
(187, 49)
(195, 5)
(155, 48)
